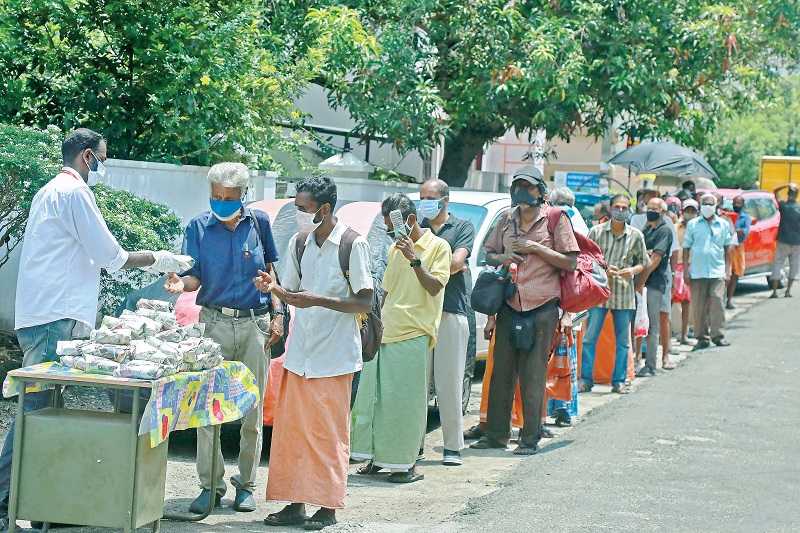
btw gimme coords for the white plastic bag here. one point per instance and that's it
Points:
(642, 322)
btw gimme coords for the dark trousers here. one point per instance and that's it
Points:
(530, 367)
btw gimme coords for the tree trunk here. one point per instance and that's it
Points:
(460, 150)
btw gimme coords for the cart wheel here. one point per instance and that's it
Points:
(156, 526)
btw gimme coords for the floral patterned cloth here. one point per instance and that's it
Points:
(180, 401)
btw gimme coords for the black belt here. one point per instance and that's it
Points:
(240, 313)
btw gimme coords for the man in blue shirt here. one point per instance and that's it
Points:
(706, 259)
(738, 265)
(231, 245)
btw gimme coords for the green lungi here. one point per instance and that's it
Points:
(391, 409)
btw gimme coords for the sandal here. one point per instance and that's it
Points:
(406, 477)
(669, 365)
(486, 443)
(285, 517)
(319, 521)
(369, 469)
(526, 450)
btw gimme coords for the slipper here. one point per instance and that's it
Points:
(315, 523)
(406, 477)
(526, 450)
(285, 518)
(485, 443)
(369, 469)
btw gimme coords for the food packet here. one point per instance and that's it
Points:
(71, 361)
(195, 330)
(192, 350)
(143, 370)
(111, 322)
(69, 347)
(119, 354)
(172, 335)
(141, 326)
(165, 319)
(154, 305)
(121, 336)
(99, 365)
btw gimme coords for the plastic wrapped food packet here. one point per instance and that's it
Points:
(196, 330)
(160, 358)
(69, 347)
(121, 336)
(111, 322)
(119, 354)
(143, 370)
(192, 350)
(141, 348)
(72, 361)
(172, 335)
(166, 320)
(99, 365)
(141, 326)
(155, 305)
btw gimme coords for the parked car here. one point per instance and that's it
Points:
(759, 247)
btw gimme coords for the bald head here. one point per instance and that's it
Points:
(434, 190)
(657, 204)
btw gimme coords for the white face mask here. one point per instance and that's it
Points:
(305, 222)
(96, 176)
(708, 210)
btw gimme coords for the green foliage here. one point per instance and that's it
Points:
(29, 158)
(736, 146)
(137, 224)
(472, 70)
(184, 81)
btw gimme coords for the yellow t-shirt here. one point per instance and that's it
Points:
(409, 311)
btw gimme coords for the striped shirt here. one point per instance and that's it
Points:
(624, 251)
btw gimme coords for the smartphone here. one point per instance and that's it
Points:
(399, 224)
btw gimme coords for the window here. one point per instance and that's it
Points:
(482, 252)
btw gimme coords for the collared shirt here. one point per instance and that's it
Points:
(66, 244)
(626, 250)
(789, 228)
(458, 233)
(659, 239)
(325, 343)
(639, 221)
(226, 261)
(537, 281)
(707, 241)
(409, 311)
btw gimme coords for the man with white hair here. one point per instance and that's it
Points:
(706, 258)
(231, 246)
(564, 198)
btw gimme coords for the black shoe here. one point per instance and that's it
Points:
(200, 504)
(562, 418)
(473, 433)
(646, 371)
(244, 502)
(721, 341)
(701, 345)
(487, 443)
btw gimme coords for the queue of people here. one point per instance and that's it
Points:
(375, 411)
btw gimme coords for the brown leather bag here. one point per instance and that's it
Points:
(371, 325)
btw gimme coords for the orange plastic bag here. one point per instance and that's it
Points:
(516, 411)
(559, 382)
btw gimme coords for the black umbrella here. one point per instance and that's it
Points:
(664, 159)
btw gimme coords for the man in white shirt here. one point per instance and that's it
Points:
(66, 244)
(310, 450)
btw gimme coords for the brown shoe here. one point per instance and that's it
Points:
(474, 433)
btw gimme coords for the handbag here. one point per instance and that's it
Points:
(491, 290)
(523, 325)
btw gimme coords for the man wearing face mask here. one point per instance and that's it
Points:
(706, 258)
(738, 265)
(525, 327)
(658, 240)
(625, 252)
(231, 245)
(684, 296)
(390, 413)
(309, 455)
(65, 234)
(448, 359)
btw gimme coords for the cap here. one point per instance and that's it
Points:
(691, 203)
(528, 173)
(673, 200)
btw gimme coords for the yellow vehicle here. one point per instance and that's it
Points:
(779, 170)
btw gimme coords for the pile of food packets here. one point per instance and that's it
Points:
(145, 344)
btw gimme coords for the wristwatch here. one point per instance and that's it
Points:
(416, 263)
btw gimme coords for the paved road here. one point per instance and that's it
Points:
(713, 446)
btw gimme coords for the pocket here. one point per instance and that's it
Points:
(522, 331)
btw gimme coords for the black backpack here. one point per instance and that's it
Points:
(371, 325)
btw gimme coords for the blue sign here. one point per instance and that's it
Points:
(583, 181)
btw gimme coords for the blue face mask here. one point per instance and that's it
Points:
(226, 210)
(428, 209)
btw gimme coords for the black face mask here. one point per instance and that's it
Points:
(652, 216)
(523, 196)
(737, 209)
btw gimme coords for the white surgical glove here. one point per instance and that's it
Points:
(170, 262)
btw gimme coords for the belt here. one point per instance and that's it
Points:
(239, 313)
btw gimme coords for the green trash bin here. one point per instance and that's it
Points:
(77, 468)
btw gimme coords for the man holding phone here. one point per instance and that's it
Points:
(624, 249)
(390, 413)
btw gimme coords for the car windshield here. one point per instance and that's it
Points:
(472, 213)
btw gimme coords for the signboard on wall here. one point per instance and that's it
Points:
(589, 182)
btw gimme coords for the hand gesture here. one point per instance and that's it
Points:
(263, 282)
(301, 300)
(523, 246)
(174, 284)
(406, 247)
